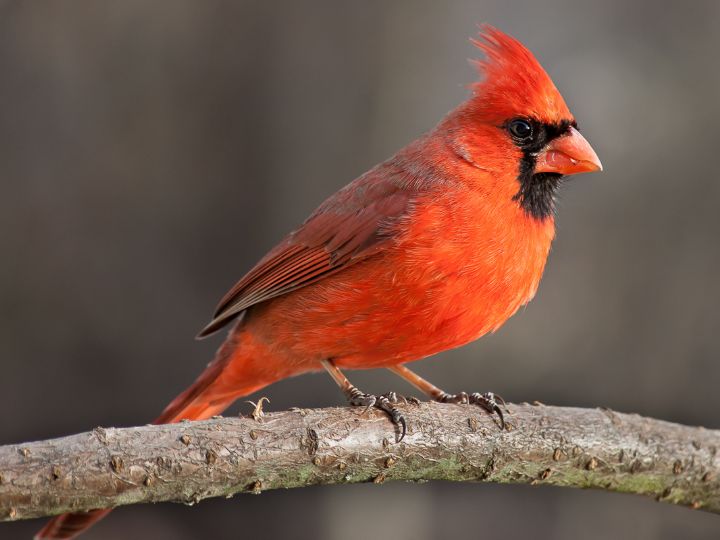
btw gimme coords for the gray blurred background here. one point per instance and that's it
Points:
(151, 152)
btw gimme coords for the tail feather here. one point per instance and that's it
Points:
(70, 525)
(199, 401)
(207, 397)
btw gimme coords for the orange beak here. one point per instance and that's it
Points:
(568, 154)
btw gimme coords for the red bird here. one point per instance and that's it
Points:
(425, 252)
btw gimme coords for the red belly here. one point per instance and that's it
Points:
(434, 291)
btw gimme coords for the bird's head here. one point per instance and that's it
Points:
(516, 117)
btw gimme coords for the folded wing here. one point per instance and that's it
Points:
(354, 224)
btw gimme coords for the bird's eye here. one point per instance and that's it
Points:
(520, 129)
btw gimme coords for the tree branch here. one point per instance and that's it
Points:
(190, 461)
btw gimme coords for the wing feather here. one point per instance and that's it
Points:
(350, 226)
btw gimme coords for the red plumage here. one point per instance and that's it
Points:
(427, 251)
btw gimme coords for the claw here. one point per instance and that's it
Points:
(384, 403)
(500, 415)
(488, 401)
(392, 397)
(357, 398)
(497, 409)
(401, 420)
(366, 409)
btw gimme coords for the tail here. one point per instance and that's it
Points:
(209, 395)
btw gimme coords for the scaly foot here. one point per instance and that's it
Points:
(383, 402)
(487, 401)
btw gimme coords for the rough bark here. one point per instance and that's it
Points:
(190, 461)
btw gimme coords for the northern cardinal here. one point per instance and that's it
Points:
(425, 252)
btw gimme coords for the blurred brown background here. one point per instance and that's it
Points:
(151, 152)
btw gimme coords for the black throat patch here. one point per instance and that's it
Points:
(537, 190)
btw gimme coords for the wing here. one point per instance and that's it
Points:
(350, 226)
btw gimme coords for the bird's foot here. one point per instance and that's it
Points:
(489, 401)
(385, 403)
(394, 397)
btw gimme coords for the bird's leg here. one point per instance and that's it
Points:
(487, 401)
(360, 399)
